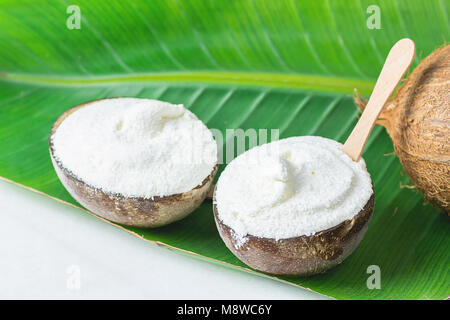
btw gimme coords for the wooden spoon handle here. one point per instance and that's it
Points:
(397, 62)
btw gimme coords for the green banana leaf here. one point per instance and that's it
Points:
(289, 65)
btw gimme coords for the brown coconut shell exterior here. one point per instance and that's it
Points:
(418, 122)
(300, 256)
(131, 211)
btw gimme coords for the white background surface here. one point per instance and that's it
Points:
(41, 241)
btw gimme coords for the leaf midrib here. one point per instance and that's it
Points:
(275, 80)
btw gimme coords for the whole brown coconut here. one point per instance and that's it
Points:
(418, 122)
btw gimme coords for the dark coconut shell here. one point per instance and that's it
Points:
(300, 256)
(131, 211)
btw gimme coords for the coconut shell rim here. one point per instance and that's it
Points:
(369, 203)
